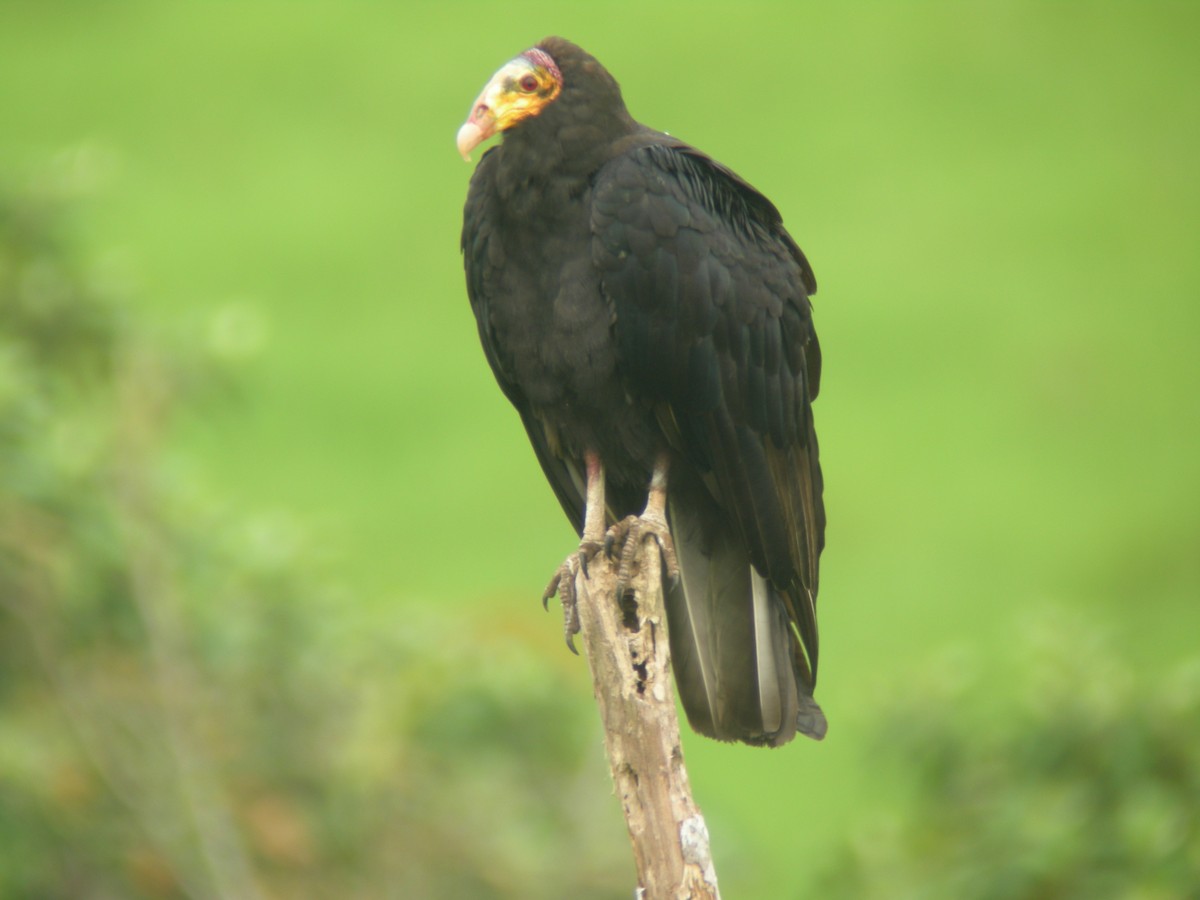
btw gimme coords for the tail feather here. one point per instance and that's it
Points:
(739, 669)
(772, 695)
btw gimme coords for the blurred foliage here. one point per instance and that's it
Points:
(178, 715)
(1086, 786)
(185, 714)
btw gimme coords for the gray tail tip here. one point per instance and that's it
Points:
(810, 721)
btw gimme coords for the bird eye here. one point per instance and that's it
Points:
(528, 83)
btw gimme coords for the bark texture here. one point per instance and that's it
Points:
(625, 640)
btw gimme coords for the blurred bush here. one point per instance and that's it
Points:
(186, 705)
(1083, 781)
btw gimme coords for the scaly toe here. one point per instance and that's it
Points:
(563, 584)
(630, 532)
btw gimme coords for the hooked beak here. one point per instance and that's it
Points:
(480, 126)
(509, 98)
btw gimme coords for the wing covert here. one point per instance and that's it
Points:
(713, 322)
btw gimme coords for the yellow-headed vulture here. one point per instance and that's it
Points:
(648, 316)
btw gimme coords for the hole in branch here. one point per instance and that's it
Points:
(629, 611)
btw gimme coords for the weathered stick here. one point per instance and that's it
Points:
(626, 644)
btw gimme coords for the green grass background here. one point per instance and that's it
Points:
(1002, 205)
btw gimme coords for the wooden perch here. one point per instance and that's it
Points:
(626, 644)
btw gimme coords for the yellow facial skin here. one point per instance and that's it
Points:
(520, 89)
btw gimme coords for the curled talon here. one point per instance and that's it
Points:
(631, 532)
(563, 584)
(609, 543)
(570, 621)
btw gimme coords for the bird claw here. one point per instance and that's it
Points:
(626, 538)
(563, 584)
(631, 532)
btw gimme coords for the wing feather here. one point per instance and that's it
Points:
(713, 321)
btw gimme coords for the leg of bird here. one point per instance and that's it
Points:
(652, 522)
(563, 582)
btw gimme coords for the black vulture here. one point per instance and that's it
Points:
(648, 316)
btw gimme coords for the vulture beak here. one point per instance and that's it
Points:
(521, 88)
(480, 125)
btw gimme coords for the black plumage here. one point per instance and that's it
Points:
(642, 305)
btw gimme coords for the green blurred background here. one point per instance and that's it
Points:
(271, 540)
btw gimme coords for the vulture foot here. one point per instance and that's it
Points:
(563, 584)
(629, 534)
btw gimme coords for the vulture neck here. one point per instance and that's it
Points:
(566, 144)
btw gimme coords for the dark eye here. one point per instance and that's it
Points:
(528, 84)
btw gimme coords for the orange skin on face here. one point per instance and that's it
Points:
(519, 89)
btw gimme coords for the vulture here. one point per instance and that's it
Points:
(646, 313)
